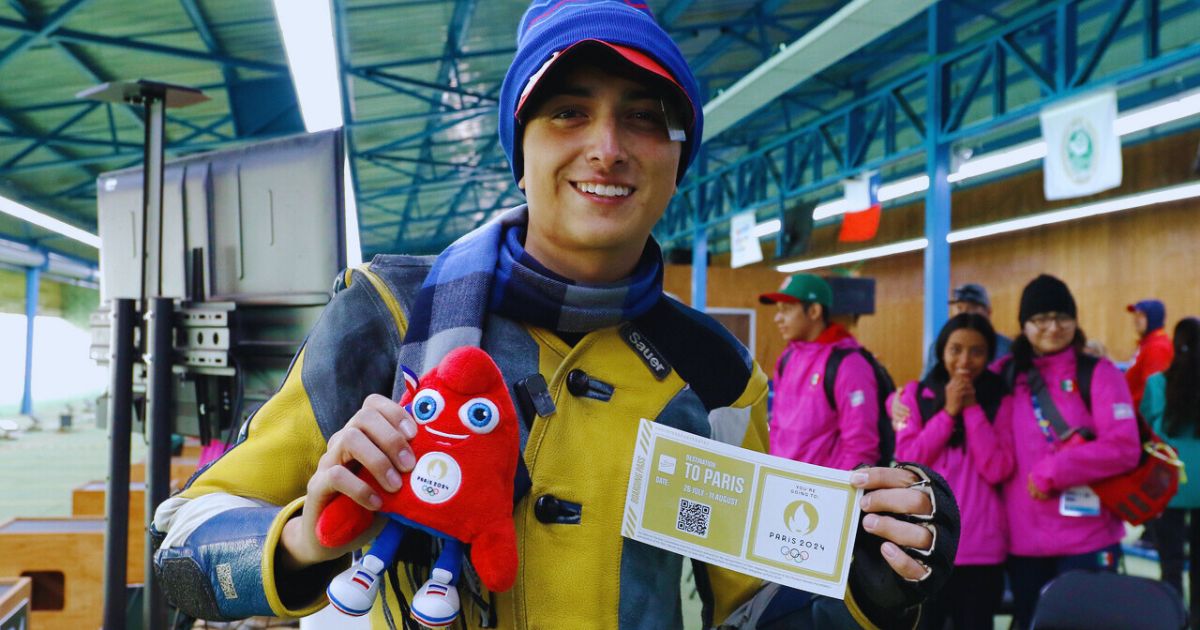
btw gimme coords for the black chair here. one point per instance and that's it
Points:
(1096, 600)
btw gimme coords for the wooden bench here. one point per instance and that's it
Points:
(191, 448)
(15, 596)
(182, 469)
(64, 558)
(88, 501)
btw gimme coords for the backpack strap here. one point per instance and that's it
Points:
(831, 370)
(926, 406)
(784, 358)
(1038, 389)
(1085, 367)
(1009, 373)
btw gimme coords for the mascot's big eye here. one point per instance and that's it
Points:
(427, 406)
(479, 415)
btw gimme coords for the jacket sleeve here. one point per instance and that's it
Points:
(990, 444)
(1151, 358)
(1116, 448)
(919, 441)
(1154, 402)
(858, 413)
(220, 534)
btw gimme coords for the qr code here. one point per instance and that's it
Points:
(693, 518)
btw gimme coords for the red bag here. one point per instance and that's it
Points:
(1144, 492)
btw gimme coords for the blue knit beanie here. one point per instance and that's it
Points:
(552, 26)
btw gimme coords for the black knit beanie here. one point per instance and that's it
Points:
(1046, 294)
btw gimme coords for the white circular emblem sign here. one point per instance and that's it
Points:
(435, 478)
(1079, 150)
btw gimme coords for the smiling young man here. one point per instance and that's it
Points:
(600, 116)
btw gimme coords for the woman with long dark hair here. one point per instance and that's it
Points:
(961, 426)
(1073, 424)
(1171, 404)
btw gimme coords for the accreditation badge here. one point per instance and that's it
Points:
(773, 518)
(1079, 501)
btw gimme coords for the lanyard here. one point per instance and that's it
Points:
(1042, 422)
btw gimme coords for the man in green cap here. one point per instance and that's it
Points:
(807, 424)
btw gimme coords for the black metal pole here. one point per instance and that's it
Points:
(153, 97)
(160, 332)
(116, 496)
(158, 461)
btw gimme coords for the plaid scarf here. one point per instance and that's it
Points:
(488, 270)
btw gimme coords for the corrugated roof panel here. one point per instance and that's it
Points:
(380, 34)
(407, 39)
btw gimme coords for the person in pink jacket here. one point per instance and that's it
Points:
(961, 426)
(804, 426)
(1055, 521)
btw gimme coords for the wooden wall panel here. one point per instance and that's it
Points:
(1147, 166)
(736, 288)
(1108, 261)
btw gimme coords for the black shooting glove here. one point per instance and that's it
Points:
(886, 598)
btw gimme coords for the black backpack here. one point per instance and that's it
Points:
(884, 386)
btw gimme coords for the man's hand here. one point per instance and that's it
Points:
(899, 413)
(376, 438)
(892, 490)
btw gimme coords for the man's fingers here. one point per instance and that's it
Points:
(354, 444)
(394, 446)
(342, 480)
(902, 533)
(902, 563)
(897, 501)
(393, 412)
(880, 477)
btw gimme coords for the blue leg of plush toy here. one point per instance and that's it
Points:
(436, 603)
(387, 542)
(353, 591)
(450, 560)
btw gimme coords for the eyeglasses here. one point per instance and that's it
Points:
(1043, 320)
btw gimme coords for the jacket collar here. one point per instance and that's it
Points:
(1153, 337)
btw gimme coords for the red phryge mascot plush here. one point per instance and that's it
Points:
(460, 491)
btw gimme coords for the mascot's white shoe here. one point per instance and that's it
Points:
(353, 591)
(436, 604)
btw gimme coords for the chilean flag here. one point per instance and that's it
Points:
(861, 220)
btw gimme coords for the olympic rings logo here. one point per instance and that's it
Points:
(795, 555)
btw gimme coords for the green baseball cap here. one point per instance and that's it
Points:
(802, 287)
